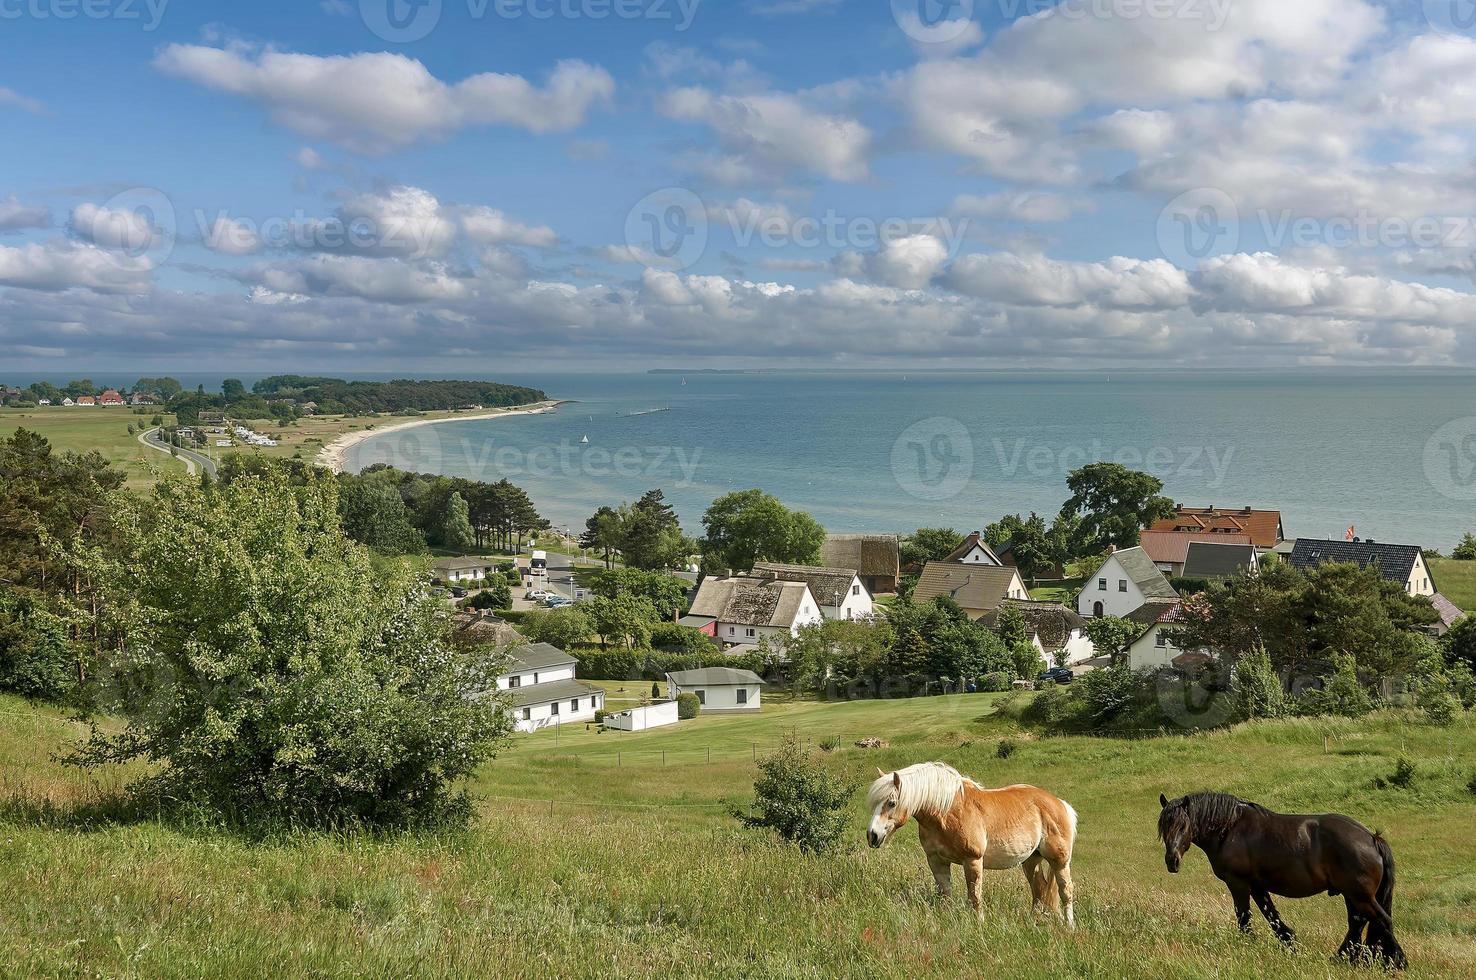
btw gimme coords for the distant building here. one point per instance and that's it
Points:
(68, 402)
(1125, 582)
(542, 691)
(87, 401)
(1449, 613)
(1212, 560)
(875, 557)
(838, 591)
(110, 398)
(142, 398)
(975, 551)
(1263, 526)
(1170, 549)
(723, 690)
(480, 628)
(745, 609)
(979, 589)
(1402, 563)
(461, 569)
(1055, 629)
(44, 401)
(1154, 646)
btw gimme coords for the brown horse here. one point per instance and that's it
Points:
(960, 822)
(1258, 853)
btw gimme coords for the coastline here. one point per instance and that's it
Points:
(334, 454)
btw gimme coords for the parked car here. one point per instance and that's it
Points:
(1058, 675)
(537, 595)
(458, 592)
(557, 602)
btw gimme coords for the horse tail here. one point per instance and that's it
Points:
(1385, 895)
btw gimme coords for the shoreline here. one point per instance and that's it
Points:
(334, 454)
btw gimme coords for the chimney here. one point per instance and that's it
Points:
(1112, 549)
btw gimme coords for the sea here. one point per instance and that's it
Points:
(1388, 454)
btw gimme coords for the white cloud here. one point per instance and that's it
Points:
(1018, 206)
(489, 226)
(378, 102)
(15, 216)
(910, 262)
(384, 280)
(1035, 280)
(11, 97)
(69, 266)
(230, 236)
(776, 133)
(130, 231)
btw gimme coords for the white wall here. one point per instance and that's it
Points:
(542, 716)
(724, 697)
(527, 678)
(655, 715)
(857, 604)
(1152, 649)
(978, 556)
(1114, 601)
(464, 575)
(1420, 582)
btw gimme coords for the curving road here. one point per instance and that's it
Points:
(193, 461)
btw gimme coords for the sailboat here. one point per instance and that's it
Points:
(585, 440)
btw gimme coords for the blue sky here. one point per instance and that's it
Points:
(780, 182)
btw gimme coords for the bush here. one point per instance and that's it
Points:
(995, 681)
(687, 706)
(676, 638)
(655, 690)
(1402, 777)
(600, 716)
(1258, 690)
(1006, 748)
(830, 743)
(1440, 708)
(1341, 694)
(798, 800)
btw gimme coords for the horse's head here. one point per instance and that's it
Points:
(1175, 830)
(887, 813)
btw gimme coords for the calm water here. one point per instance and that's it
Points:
(1392, 453)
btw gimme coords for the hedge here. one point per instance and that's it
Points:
(653, 665)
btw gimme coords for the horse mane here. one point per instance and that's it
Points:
(1207, 813)
(927, 787)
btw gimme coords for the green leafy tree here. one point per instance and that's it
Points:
(563, 628)
(798, 800)
(750, 526)
(603, 532)
(232, 389)
(271, 675)
(666, 593)
(624, 619)
(1258, 689)
(1113, 504)
(929, 544)
(1112, 634)
(651, 537)
(456, 529)
(1466, 550)
(1032, 547)
(1460, 643)
(374, 514)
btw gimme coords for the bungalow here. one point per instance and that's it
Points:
(453, 570)
(87, 401)
(1215, 560)
(483, 629)
(979, 589)
(1170, 549)
(1126, 580)
(875, 557)
(1056, 629)
(838, 591)
(44, 401)
(745, 609)
(723, 690)
(68, 402)
(110, 398)
(975, 551)
(1263, 526)
(1401, 563)
(142, 398)
(542, 691)
(1449, 613)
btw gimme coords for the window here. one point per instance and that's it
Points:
(1097, 610)
(553, 709)
(1101, 585)
(515, 681)
(535, 677)
(743, 695)
(855, 590)
(1122, 585)
(1160, 641)
(527, 714)
(701, 697)
(574, 706)
(732, 630)
(750, 631)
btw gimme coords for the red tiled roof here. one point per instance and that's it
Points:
(1173, 546)
(1263, 526)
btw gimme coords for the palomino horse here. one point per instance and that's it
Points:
(961, 822)
(1258, 853)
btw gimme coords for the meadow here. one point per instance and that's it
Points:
(1456, 581)
(614, 854)
(105, 430)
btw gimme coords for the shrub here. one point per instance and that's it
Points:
(995, 681)
(600, 716)
(1440, 709)
(830, 743)
(1258, 690)
(1006, 748)
(676, 638)
(655, 690)
(687, 705)
(1341, 694)
(798, 800)
(1404, 773)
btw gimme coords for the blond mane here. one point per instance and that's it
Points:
(928, 787)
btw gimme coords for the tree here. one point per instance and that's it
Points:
(798, 800)
(271, 675)
(929, 544)
(1030, 541)
(651, 537)
(750, 526)
(232, 389)
(603, 532)
(563, 628)
(1112, 634)
(1466, 550)
(374, 514)
(625, 619)
(1114, 504)
(456, 529)
(666, 593)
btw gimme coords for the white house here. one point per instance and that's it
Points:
(1056, 629)
(67, 402)
(1154, 647)
(1401, 563)
(1124, 582)
(719, 689)
(454, 570)
(744, 609)
(977, 588)
(975, 551)
(657, 715)
(542, 690)
(44, 401)
(838, 591)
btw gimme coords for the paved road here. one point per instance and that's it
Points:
(193, 461)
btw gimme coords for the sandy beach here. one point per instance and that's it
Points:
(335, 453)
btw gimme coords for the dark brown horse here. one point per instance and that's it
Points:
(1258, 853)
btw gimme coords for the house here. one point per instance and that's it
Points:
(875, 557)
(110, 398)
(480, 628)
(656, 715)
(838, 591)
(87, 401)
(454, 570)
(142, 398)
(1212, 560)
(1154, 646)
(68, 402)
(975, 551)
(1402, 563)
(745, 609)
(44, 401)
(723, 690)
(1056, 629)
(542, 691)
(1449, 613)
(1263, 526)
(1126, 580)
(1169, 549)
(979, 589)
(308, 408)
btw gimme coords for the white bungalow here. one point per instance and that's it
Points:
(1124, 582)
(542, 690)
(454, 570)
(723, 690)
(975, 551)
(838, 591)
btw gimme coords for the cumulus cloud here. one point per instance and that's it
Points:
(489, 226)
(117, 228)
(776, 133)
(53, 268)
(909, 262)
(1035, 280)
(230, 236)
(1019, 206)
(377, 102)
(15, 216)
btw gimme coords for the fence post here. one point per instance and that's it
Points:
(617, 760)
(663, 757)
(709, 755)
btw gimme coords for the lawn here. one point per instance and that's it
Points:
(102, 429)
(1456, 580)
(597, 855)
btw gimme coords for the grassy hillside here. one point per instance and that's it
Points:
(102, 429)
(1456, 580)
(593, 858)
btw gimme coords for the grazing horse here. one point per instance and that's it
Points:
(961, 822)
(1258, 853)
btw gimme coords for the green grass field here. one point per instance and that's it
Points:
(595, 855)
(1456, 580)
(102, 429)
